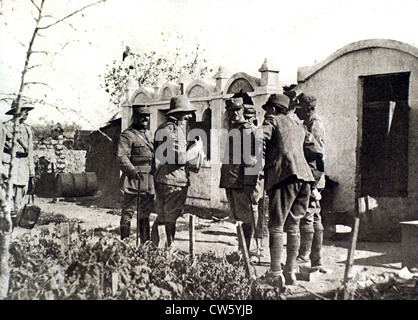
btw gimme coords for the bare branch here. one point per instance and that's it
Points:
(35, 66)
(72, 14)
(56, 19)
(36, 6)
(38, 82)
(45, 52)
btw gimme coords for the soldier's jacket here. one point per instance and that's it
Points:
(288, 149)
(170, 141)
(316, 127)
(135, 154)
(23, 166)
(233, 173)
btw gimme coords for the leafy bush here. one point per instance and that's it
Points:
(41, 271)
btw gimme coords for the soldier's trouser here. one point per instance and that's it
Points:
(170, 202)
(258, 219)
(16, 206)
(288, 203)
(130, 206)
(241, 203)
(312, 231)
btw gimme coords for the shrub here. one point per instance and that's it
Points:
(41, 271)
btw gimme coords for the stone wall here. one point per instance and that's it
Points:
(54, 155)
(61, 158)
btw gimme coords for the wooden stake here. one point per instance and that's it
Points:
(364, 204)
(115, 282)
(64, 236)
(191, 234)
(162, 235)
(350, 255)
(244, 250)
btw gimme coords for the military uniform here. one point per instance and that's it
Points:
(236, 178)
(172, 172)
(23, 166)
(288, 180)
(136, 155)
(311, 226)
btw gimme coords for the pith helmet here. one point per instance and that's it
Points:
(277, 100)
(22, 108)
(141, 109)
(180, 104)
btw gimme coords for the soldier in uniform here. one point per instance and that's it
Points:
(311, 227)
(238, 182)
(136, 156)
(250, 115)
(23, 169)
(172, 172)
(288, 181)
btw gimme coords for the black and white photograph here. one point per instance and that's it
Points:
(211, 155)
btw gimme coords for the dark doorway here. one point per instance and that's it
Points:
(384, 148)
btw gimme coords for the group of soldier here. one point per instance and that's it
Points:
(287, 165)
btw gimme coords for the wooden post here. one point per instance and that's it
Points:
(115, 282)
(364, 204)
(244, 250)
(350, 255)
(162, 236)
(191, 234)
(138, 213)
(64, 236)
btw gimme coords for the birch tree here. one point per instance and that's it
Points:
(43, 23)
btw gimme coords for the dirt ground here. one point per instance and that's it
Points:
(371, 258)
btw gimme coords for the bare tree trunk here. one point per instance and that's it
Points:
(7, 194)
(5, 217)
(5, 237)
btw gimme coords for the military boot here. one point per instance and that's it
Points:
(170, 230)
(305, 246)
(292, 248)
(316, 249)
(276, 243)
(144, 233)
(248, 233)
(155, 237)
(124, 231)
(14, 219)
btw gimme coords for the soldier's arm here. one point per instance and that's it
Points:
(124, 153)
(249, 147)
(313, 150)
(167, 147)
(30, 153)
(269, 124)
(318, 131)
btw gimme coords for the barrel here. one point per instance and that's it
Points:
(77, 184)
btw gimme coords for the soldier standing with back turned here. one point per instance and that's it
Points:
(288, 180)
(136, 156)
